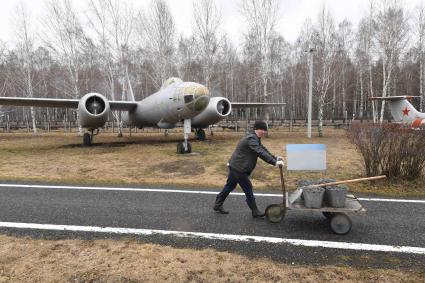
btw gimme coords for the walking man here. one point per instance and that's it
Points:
(242, 163)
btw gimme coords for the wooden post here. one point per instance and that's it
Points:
(7, 123)
(28, 124)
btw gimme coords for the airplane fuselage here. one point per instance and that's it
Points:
(170, 105)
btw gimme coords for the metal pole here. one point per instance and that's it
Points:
(310, 93)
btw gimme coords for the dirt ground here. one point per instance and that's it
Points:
(151, 159)
(27, 260)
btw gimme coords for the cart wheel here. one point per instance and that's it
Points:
(275, 213)
(340, 223)
(327, 214)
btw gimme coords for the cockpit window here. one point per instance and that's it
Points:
(170, 81)
(188, 98)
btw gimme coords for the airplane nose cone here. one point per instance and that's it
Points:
(201, 91)
(201, 103)
(202, 99)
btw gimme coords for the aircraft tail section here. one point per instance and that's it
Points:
(401, 109)
(130, 94)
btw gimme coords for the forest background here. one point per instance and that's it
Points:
(66, 53)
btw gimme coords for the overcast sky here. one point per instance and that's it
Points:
(293, 13)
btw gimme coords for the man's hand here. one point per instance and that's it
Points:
(279, 158)
(279, 163)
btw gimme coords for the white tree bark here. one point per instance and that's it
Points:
(114, 22)
(207, 17)
(157, 30)
(26, 43)
(419, 30)
(65, 36)
(261, 17)
(391, 31)
(325, 44)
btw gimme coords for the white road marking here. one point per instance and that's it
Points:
(392, 200)
(223, 237)
(177, 191)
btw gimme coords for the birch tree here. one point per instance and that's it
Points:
(207, 17)
(369, 46)
(325, 42)
(419, 30)
(229, 62)
(26, 39)
(261, 17)
(64, 36)
(391, 29)
(345, 41)
(185, 57)
(362, 59)
(113, 22)
(157, 30)
(4, 79)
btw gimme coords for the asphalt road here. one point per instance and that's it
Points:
(387, 223)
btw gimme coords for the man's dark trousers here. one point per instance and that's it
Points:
(233, 179)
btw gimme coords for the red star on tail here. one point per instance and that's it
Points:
(406, 111)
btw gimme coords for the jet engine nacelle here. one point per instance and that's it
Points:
(93, 110)
(218, 108)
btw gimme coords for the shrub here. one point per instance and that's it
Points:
(390, 149)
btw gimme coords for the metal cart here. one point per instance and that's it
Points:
(340, 223)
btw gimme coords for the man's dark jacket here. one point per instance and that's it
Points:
(248, 150)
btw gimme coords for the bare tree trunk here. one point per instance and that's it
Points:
(384, 92)
(320, 114)
(421, 84)
(361, 95)
(344, 103)
(374, 110)
(266, 99)
(334, 101)
(30, 94)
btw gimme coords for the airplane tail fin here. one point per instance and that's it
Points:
(130, 94)
(401, 109)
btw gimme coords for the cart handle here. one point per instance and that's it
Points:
(347, 181)
(282, 184)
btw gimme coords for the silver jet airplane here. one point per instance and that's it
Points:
(176, 101)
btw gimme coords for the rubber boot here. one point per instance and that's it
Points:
(255, 212)
(218, 206)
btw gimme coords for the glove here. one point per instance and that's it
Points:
(279, 158)
(279, 163)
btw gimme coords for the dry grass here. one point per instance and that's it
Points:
(150, 159)
(28, 260)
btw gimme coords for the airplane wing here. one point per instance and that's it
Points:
(255, 104)
(392, 97)
(123, 105)
(39, 102)
(61, 103)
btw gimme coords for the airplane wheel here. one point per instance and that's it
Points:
(340, 224)
(86, 139)
(189, 148)
(200, 135)
(181, 149)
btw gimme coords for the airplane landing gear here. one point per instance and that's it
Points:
(200, 134)
(88, 137)
(185, 147)
(181, 148)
